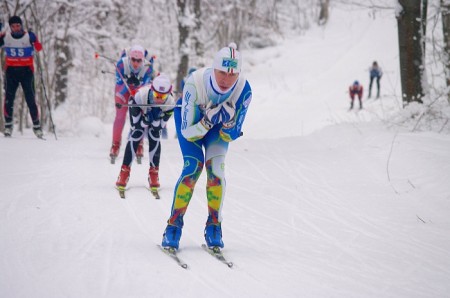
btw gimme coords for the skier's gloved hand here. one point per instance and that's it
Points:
(211, 116)
(228, 114)
(133, 81)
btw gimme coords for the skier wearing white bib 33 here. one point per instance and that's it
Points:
(213, 108)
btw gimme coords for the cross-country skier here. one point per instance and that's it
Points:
(147, 120)
(375, 74)
(355, 90)
(133, 70)
(214, 104)
(19, 48)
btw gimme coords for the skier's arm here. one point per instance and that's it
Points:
(191, 127)
(121, 88)
(232, 130)
(137, 120)
(167, 111)
(35, 41)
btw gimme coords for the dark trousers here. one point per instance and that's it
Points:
(136, 136)
(378, 86)
(24, 76)
(352, 96)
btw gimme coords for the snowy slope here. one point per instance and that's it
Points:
(321, 202)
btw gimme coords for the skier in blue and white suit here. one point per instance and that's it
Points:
(214, 104)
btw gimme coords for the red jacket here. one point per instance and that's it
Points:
(355, 90)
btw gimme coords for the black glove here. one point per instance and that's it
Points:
(133, 81)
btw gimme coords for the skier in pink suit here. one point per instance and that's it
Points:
(133, 70)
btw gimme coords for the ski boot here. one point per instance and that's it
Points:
(140, 152)
(38, 131)
(122, 180)
(153, 181)
(171, 237)
(8, 131)
(213, 236)
(114, 152)
(153, 178)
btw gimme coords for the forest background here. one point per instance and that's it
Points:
(72, 84)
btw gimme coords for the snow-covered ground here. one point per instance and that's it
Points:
(321, 202)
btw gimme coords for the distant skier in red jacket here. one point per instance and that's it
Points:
(355, 89)
(19, 46)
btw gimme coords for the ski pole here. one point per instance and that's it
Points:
(119, 105)
(97, 55)
(46, 97)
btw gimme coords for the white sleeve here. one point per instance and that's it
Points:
(191, 128)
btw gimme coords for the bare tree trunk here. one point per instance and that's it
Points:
(445, 11)
(323, 15)
(424, 25)
(63, 60)
(410, 48)
(198, 43)
(183, 30)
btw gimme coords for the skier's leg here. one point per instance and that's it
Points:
(154, 150)
(120, 118)
(11, 85)
(215, 151)
(193, 166)
(378, 87)
(27, 82)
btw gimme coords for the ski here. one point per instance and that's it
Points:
(121, 190)
(155, 192)
(217, 253)
(172, 253)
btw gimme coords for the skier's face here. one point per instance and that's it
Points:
(136, 63)
(16, 27)
(225, 80)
